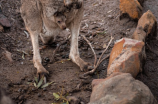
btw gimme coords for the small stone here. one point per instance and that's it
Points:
(99, 53)
(21, 97)
(128, 29)
(39, 95)
(110, 16)
(98, 48)
(29, 80)
(63, 56)
(44, 89)
(46, 60)
(19, 90)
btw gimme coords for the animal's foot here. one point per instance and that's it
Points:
(41, 72)
(73, 3)
(84, 66)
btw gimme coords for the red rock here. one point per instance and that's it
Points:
(120, 88)
(132, 8)
(139, 34)
(146, 24)
(126, 57)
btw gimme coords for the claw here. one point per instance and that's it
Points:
(45, 80)
(44, 76)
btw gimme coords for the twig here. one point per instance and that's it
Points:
(95, 56)
(99, 61)
(92, 71)
(105, 49)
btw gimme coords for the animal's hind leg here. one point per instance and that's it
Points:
(33, 22)
(36, 53)
(74, 53)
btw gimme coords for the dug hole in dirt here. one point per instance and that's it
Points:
(99, 22)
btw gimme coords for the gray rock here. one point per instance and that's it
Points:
(121, 88)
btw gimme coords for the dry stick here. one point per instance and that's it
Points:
(105, 49)
(95, 56)
(99, 62)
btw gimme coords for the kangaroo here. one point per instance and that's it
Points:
(41, 17)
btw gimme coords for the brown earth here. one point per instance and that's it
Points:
(99, 22)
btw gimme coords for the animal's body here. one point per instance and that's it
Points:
(41, 19)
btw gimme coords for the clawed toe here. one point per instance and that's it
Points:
(43, 75)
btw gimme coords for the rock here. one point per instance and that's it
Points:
(8, 56)
(110, 16)
(120, 88)
(147, 27)
(132, 8)
(139, 34)
(126, 56)
(4, 21)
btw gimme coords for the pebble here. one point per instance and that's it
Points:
(46, 60)
(29, 80)
(21, 97)
(110, 16)
(44, 89)
(98, 48)
(99, 53)
(19, 90)
(128, 29)
(39, 95)
(65, 56)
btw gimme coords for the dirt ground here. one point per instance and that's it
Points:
(98, 23)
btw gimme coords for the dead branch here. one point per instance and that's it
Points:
(100, 60)
(95, 56)
(105, 49)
